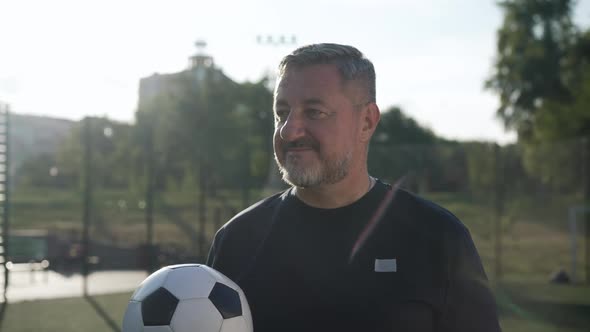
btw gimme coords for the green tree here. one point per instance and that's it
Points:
(42, 171)
(212, 132)
(112, 153)
(253, 113)
(401, 146)
(559, 121)
(531, 66)
(542, 76)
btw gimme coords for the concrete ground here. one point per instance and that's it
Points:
(35, 285)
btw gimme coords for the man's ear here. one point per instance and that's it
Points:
(370, 119)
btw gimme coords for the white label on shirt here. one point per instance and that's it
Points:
(385, 265)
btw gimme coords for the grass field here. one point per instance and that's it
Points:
(543, 307)
(523, 307)
(100, 313)
(535, 239)
(535, 243)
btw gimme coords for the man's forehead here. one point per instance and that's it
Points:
(303, 71)
(313, 82)
(309, 78)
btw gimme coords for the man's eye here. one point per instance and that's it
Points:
(315, 114)
(281, 115)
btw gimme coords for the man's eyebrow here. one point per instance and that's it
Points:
(281, 102)
(310, 101)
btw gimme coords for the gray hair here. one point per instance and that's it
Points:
(351, 63)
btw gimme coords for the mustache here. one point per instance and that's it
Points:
(301, 143)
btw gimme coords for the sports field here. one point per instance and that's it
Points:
(523, 308)
(535, 243)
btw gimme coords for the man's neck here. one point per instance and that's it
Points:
(331, 196)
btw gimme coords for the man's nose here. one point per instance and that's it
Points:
(293, 128)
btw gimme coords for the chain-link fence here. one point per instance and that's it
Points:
(515, 199)
(95, 196)
(87, 197)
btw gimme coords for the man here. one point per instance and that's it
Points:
(341, 250)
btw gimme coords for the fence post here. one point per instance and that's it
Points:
(87, 164)
(586, 163)
(149, 202)
(5, 192)
(203, 192)
(498, 209)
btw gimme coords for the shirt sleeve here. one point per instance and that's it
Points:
(470, 304)
(214, 249)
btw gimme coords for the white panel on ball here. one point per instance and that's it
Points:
(246, 313)
(150, 284)
(220, 277)
(245, 307)
(189, 282)
(193, 313)
(236, 324)
(132, 321)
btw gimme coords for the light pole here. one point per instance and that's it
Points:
(275, 41)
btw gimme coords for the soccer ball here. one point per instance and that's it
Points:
(187, 298)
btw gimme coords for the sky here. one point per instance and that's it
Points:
(69, 59)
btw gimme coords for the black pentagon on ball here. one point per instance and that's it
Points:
(226, 300)
(158, 308)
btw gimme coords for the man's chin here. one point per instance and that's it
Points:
(299, 179)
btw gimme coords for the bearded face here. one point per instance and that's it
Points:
(299, 169)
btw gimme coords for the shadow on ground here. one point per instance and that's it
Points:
(103, 314)
(3, 306)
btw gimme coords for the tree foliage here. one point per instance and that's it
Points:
(211, 132)
(401, 146)
(112, 153)
(542, 78)
(561, 121)
(533, 64)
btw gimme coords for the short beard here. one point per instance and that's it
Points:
(326, 172)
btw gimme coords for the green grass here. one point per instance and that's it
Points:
(535, 241)
(523, 307)
(543, 307)
(119, 217)
(512, 324)
(65, 315)
(533, 244)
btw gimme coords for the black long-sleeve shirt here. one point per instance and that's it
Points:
(418, 271)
